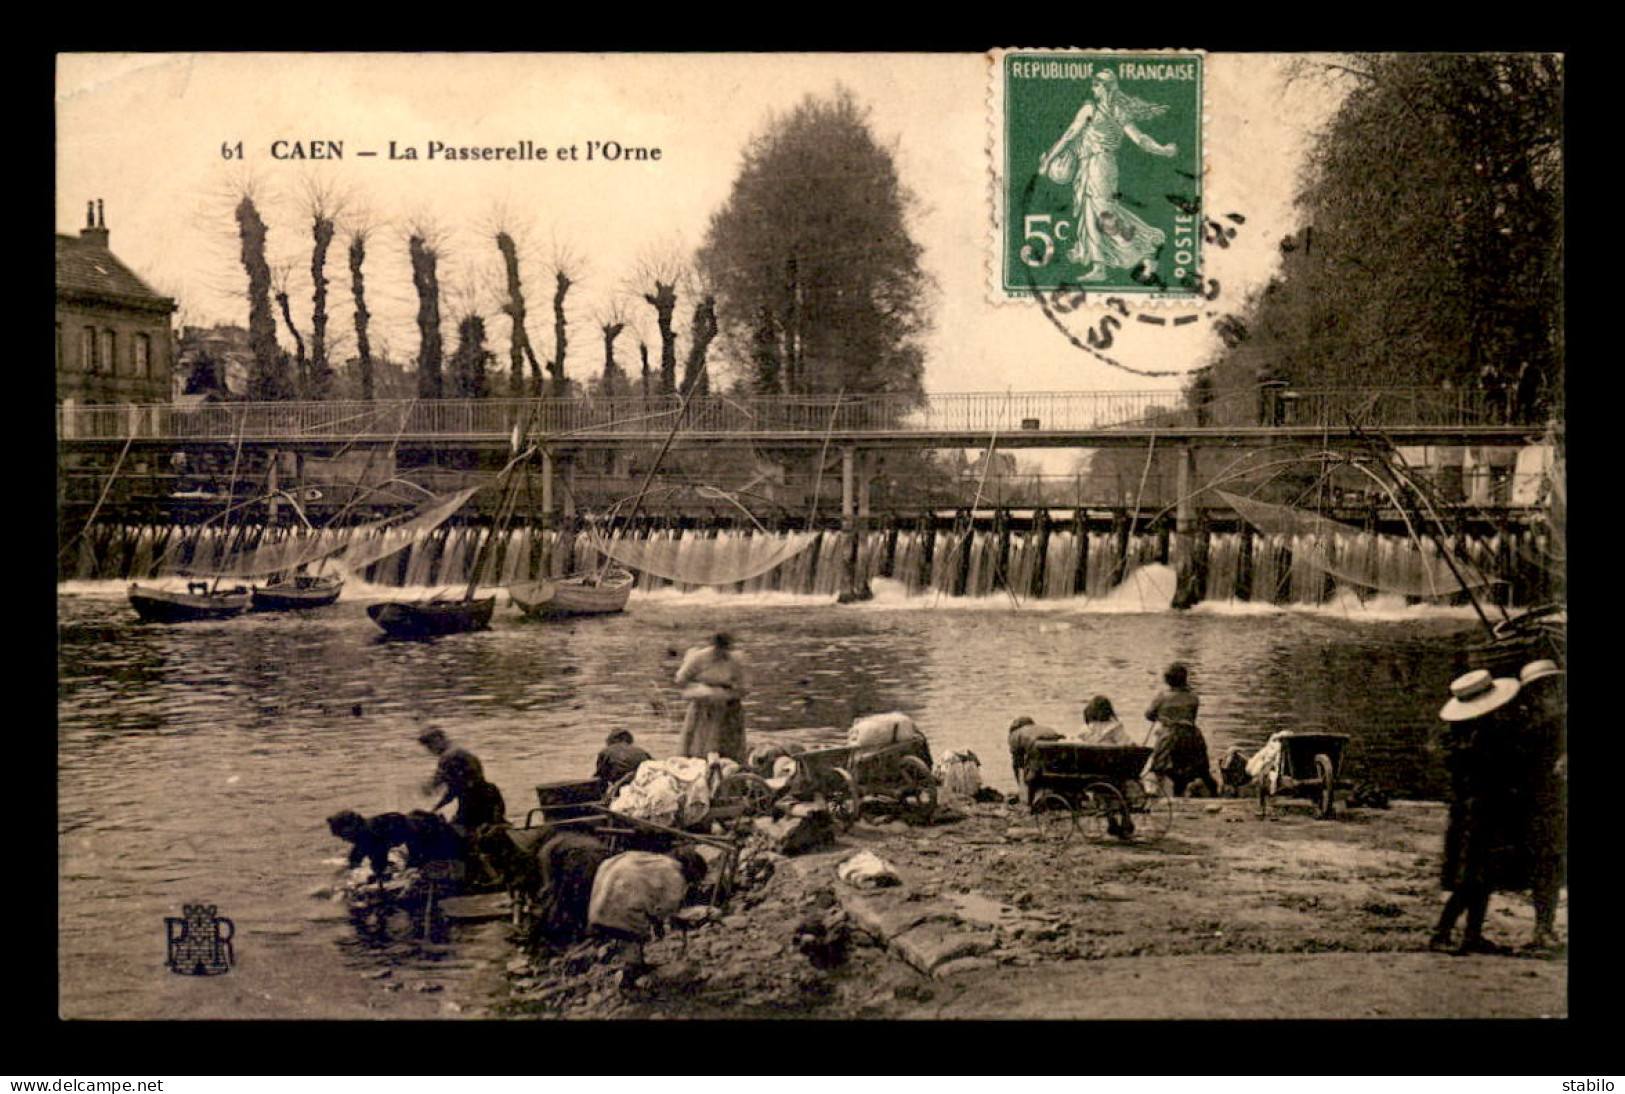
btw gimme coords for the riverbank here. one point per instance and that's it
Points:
(1228, 916)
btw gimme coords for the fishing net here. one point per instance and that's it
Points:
(724, 560)
(1374, 560)
(371, 542)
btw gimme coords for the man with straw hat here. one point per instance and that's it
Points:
(1541, 707)
(1478, 811)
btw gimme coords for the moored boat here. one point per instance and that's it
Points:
(425, 618)
(298, 591)
(199, 601)
(596, 593)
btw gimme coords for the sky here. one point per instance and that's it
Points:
(169, 142)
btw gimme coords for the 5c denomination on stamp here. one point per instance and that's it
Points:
(1099, 168)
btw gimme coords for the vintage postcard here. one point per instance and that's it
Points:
(1036, 533)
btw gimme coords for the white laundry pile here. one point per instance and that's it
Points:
(675, 792)
(878, 730)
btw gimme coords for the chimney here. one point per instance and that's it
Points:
(95, 229)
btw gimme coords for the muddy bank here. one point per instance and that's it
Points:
(1227, 916)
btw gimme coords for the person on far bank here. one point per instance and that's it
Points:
(1178, 751)
(1100, 724)
(713, 680)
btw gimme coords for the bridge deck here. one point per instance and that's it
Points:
(1032, 420)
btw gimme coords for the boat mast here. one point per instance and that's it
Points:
(504, 514)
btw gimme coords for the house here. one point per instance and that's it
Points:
(213, 360)
(113, 342)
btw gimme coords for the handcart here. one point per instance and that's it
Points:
(1094, 790)
(846, 775)
(1305, 765)
(581, 806)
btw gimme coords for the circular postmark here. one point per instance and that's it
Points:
(1072, 303)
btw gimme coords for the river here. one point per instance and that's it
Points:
(197, 762)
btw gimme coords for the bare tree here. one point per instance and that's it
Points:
(269, 379)
(566, 267)
(358, 290)
(422, 244)
(614, 382)
(519, 348)
(658, 274)
(700, 334)
(302, 387)
(323, 204)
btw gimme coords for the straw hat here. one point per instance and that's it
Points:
(1536, 669)
(1477, 693)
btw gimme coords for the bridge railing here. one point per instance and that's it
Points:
(815, 414)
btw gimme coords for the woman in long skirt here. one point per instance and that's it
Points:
(713, 681)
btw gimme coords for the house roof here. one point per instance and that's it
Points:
(85, 268)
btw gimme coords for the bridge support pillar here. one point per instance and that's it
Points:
(1188, 565)
(853, 587)
(547, 488)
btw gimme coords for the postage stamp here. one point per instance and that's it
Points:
(1097, 161)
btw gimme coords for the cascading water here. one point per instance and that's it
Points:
(1240, 566)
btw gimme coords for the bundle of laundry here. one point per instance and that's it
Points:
(675, 792)
(878, 730)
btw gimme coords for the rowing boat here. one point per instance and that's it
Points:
(594, 593)
(425, 618)
(298, 591)
(156, 605)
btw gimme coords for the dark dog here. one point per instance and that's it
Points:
(426, 836)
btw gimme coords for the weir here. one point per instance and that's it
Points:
(1022, 556)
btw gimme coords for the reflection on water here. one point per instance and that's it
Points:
(197, 762)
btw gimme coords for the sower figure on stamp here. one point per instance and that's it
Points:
(1109, 233)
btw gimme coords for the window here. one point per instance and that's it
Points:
(143, 356)
(105, 358)
(87, 350)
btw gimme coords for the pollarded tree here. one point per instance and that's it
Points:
(269, 377)
(426, 279)
(818, 283)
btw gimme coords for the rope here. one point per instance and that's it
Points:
(107, 488)
(823, 454)
(231, 486)
(1139, 496)
(970, 525)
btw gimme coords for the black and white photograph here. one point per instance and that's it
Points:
(1036, 534)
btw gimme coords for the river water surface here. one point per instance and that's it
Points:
(197, 762)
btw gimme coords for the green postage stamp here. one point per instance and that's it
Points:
(1098, 164)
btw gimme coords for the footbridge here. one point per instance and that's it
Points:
(1098, 419)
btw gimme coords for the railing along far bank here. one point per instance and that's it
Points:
(767, 416)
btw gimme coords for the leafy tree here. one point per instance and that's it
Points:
(1433, 248)
(470, 361)
(817, 281)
